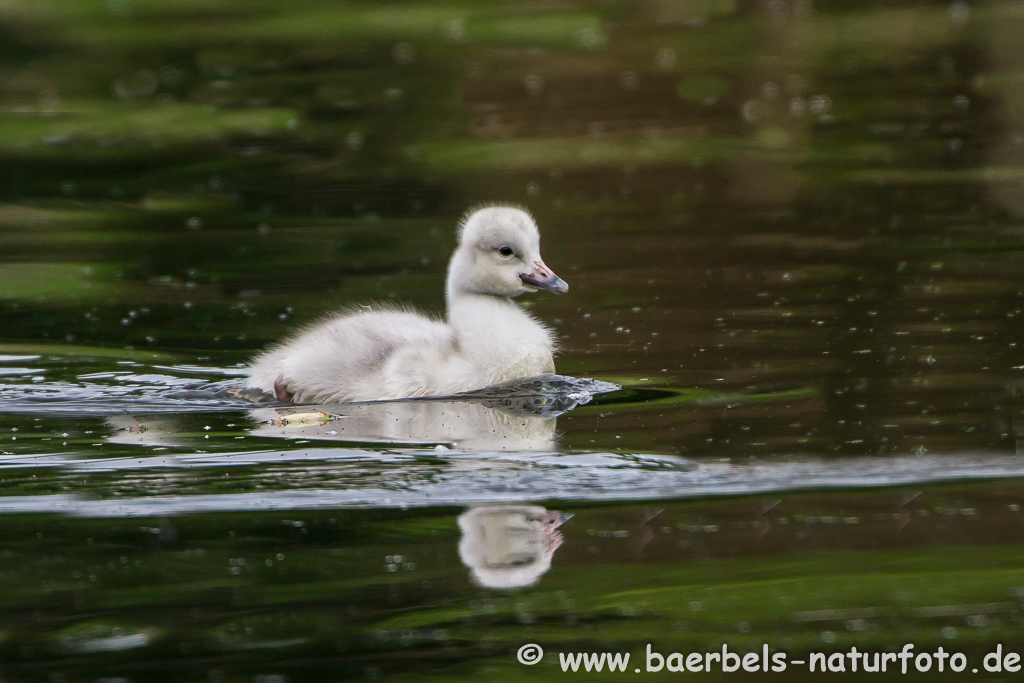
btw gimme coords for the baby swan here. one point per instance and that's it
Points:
(393, 353)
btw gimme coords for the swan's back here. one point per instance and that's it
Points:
(347, 358)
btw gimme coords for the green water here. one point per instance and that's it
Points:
(794, 236)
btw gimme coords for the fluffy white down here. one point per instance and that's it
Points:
(387, 353)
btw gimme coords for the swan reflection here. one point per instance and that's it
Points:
(509, 546)
(497, 425)
(512, 416)
(491, 425)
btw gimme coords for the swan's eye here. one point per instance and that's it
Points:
(505, 251)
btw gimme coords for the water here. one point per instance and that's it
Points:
(789, 396)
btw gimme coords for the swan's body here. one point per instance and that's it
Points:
(393, 353)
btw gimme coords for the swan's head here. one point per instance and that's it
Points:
(499, 254)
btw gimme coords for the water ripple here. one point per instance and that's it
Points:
(369, 479)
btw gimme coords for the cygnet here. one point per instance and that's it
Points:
(388, 352)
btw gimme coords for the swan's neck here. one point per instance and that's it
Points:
(496, 327)
(477, 313)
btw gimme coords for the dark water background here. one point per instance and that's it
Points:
(793, 233)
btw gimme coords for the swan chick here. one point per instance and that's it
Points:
(390, 352)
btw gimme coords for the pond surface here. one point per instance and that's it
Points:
(789, 408)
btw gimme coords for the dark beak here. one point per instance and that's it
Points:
(543, 278)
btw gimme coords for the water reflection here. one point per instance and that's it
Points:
(494, 424)
(514, 426)
(272, 596)
(516, 416)
(509, 546)
(130, 430)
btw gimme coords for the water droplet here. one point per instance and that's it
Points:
(49, 101)
(959, 12)
(393, 97)
(856, 625)
(820, 104)
(138, 85)
(590, 38)
(455, 30)
(752, 111)
(534, 84)
(404, 54)
(666, 58)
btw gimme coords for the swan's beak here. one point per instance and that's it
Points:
(542, 278)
